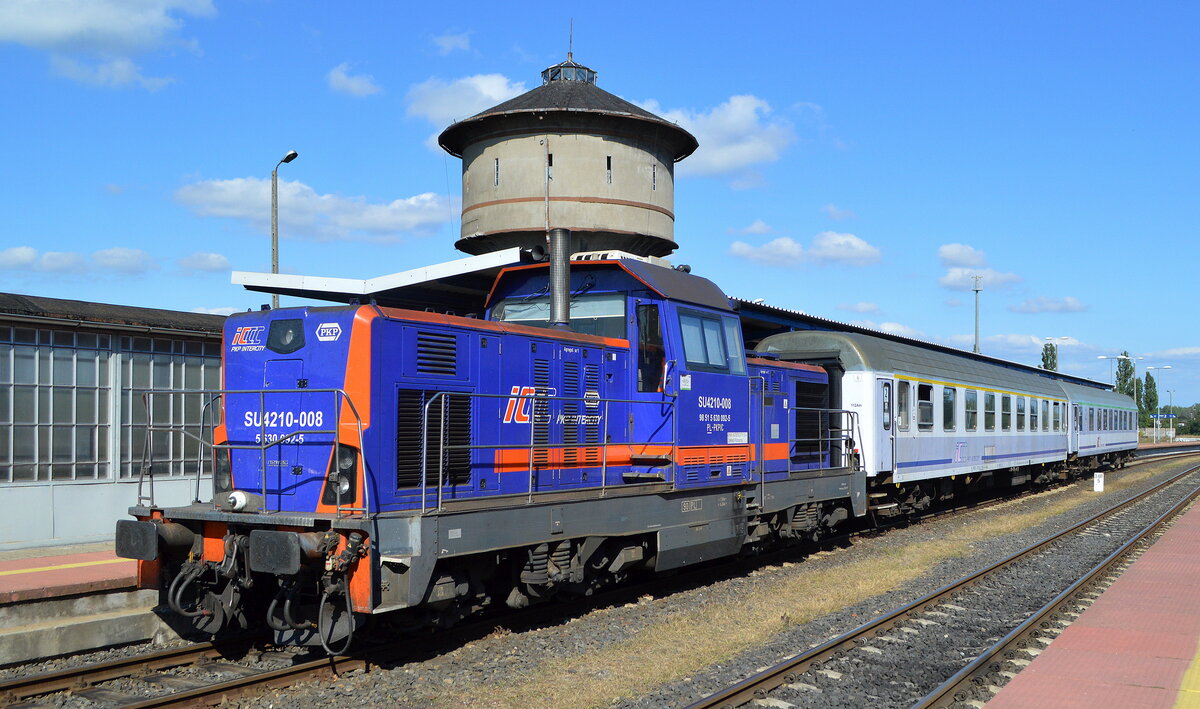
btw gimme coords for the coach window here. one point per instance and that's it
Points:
(971, 405)
(989, 411)
(902, 406)
(1045, 415)
(1021, 415)
(1006, 412)
(1057, 416)
(1091, 419)
(1033, 414)
(949, 403)
(925, 407)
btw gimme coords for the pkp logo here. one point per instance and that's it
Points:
(329, 331)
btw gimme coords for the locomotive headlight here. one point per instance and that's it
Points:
(222, 471)
(341, 480)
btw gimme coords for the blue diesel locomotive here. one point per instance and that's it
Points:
(603, 417)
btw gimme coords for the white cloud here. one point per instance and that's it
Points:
(860, 307)
(355, 85)
(442, 102)
(758, 226)
(303, 212)
(961, 255)
(1042, 304)
(112, 74)
(61, 262)
(834, 212)
(204, 261)
(217, 311)
(832, 247)
(961, 278)
(733, 136)
(892, 328)
(18, 257)
(447, 43)
(124, 260)
(953, 302)
(784, 251)
(827, 247)
(108, 32)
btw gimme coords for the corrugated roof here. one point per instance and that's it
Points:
(563, 96)
(101, 314)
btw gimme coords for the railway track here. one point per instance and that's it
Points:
(798, 681)
(204, 674)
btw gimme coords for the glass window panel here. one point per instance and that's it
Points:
(28, 336)
(64, 366)
(24, 365)
(5, 396)
(925, 407)
(989, 411)
(949, 401)
(85, 472)
(160, 445)
(193, 347)
(1021, 413)
(22, 473)
(1006, 412)
(63, 472)
(212, 349)
(693, 339)
(44, 404)
(43, 365)
(972, 410)
(5, 363)
(24, 444)
(85, 406)
(102, 443)
(1033, 415)
(105, 342)
(141, 371)
(902, 406)
(102, 406)
(162, 346)
(63, 338)
(1045, 415)
(142, 344)
(85, 444)
(102, 368)
(85, 369)
(162, 373)
(5, 449)
(212, 376)
(194, 373)
(63, 405)
(737, 349)
(64, 444)
(86, 339)
(24, 405)
(713, 344)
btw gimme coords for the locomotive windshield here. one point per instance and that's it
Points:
(600, 314)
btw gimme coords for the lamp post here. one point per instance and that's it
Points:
(977, 288)
(1171, 411)
(291, 155)
(1111, 377)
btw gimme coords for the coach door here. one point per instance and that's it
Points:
(1073, 426)
(885, 433)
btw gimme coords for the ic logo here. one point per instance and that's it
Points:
(518, 407)
(248, 336)
(329, 331)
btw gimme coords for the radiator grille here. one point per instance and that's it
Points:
(591, 409)
(449, 425)
(437, 353)
(541, 413)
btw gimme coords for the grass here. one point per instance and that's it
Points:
(689, 640)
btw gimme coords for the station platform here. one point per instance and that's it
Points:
(1137, 646)
(70, 571)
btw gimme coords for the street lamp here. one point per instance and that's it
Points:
(291, 155)
(1171, 409)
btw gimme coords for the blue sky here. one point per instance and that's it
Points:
(856, 161)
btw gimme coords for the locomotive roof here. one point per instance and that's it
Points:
(860, 352)
(667, 282)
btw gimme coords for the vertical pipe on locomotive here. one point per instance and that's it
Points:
(560, 278)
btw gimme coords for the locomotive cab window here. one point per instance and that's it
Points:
(712, 343)
(651, 354)
(925, 407)
(600, 314)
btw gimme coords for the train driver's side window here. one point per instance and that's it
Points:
(902, 414)
(651, 353)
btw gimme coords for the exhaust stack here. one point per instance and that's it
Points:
(560, 278)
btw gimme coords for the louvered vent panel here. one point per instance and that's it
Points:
(570, 409)
(451, 429)
(437, 353)
(592, 410)
(541, 413)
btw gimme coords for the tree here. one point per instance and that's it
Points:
(1143, 418)
(1125, 375)
(1149, 398)
(1050, 357)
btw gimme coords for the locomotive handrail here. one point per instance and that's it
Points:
(206, 423)
(604, 444)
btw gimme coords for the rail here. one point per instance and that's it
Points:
(213, 408)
